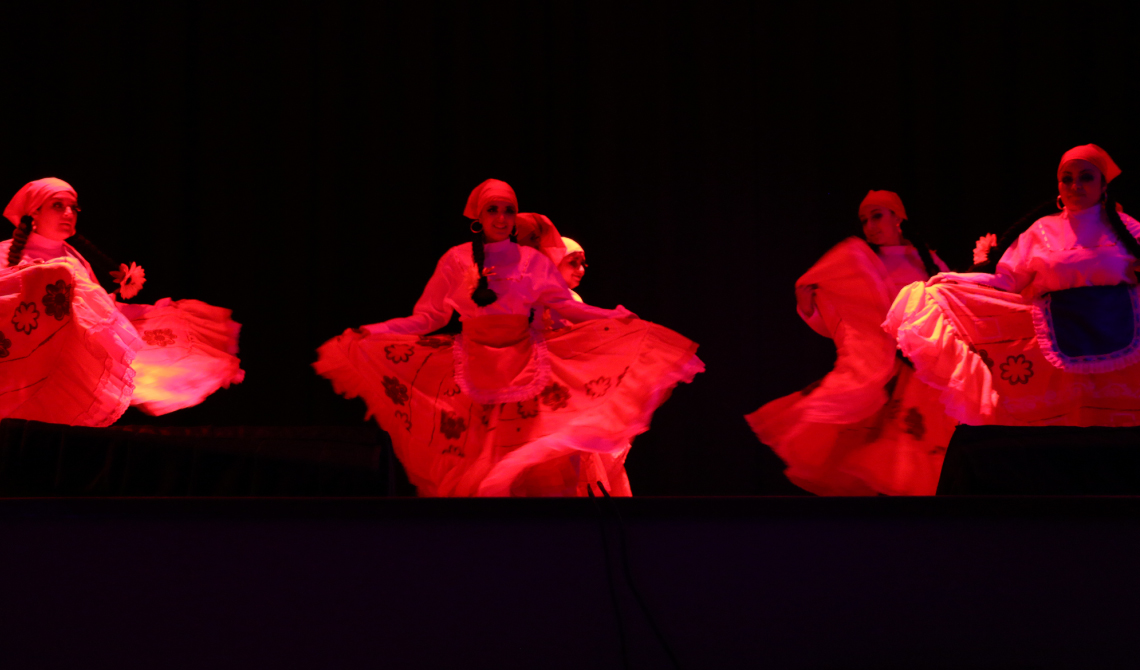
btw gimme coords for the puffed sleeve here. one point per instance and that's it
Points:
(554, 294)
(432, 310)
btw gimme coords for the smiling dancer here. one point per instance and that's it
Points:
(70, 352)
(1052, 336)
(869, 426)
(504, 408)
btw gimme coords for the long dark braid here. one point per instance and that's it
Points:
(100, 262)
(913, 235)
(19, 241)
(1119, 228)
(482, 295)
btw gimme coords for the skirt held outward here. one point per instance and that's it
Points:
(1067, 358)
(897, 450)
(65, 349)
(188, 351)
(504, 410)
(870, 426)
(70, 354)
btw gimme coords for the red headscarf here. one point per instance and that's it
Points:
(489, 191)
(549, 241)
(34, 194)
(888, 199)
(1095, 155)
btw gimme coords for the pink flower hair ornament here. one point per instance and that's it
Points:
(130, 280)
(982, 248)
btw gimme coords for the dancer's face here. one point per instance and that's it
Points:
(1080, 184)
(498, 219)
(882, 227)
(55, 219)
(573, 268)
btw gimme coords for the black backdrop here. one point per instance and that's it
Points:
(307, 165)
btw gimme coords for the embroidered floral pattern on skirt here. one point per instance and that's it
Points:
(955, 333)
(551, 444)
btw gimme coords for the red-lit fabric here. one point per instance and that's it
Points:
(605, 378)
(887, 199)
(33, 194)
(981, 348)
(188, 351)
(489, 191)
(869, 426)
(1060, 251)
(160, 357)
(523, 278)
(65, 350)
(1095, 155)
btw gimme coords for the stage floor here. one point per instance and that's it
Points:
(954, 582)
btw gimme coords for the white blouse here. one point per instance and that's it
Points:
(41, 248)
(521, 276)
(1061, 251)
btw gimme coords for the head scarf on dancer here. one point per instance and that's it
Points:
(887, 199)
(986, 260)
(27, 201)
(891, 201)
(33, 195)
(484, 195)
(573, 265)
(538, 232)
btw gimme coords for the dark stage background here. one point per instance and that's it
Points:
(307, 165)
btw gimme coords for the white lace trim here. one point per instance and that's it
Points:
(540, 356)
(1095, 364)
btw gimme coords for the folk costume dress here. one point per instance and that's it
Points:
(1052, 338)
(869, 426)
(506, 409)
(537, 231)
(70, 353)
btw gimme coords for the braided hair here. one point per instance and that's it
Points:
(100, 262)
(914, 235)
(483, 295)
(19, 240)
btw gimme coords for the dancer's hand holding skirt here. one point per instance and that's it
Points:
(1066, 358)
(65, 349)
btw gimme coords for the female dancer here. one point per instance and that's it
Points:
(1053, 335)
(538, 232)
(503, 408)
(69, 352)
(869, 426)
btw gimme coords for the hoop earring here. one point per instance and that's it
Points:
(1104, 196)
(474, 230)
(1060, 205)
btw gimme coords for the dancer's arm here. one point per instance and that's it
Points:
(554, 294)
(1012, 274)
(432, 310)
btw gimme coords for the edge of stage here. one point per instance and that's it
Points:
(730, 582)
